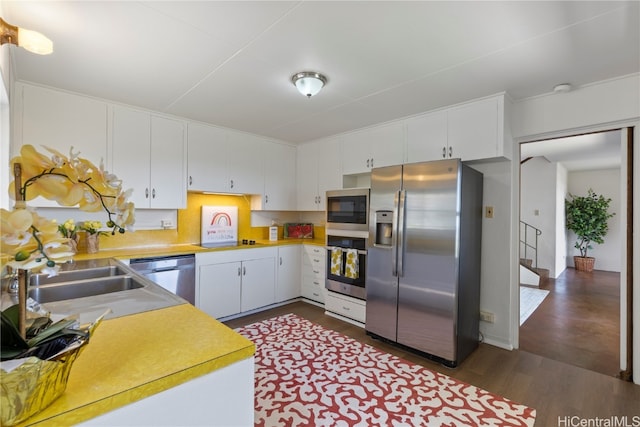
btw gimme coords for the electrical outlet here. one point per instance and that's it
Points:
(488, 212)
(488, 317)
(166, 223)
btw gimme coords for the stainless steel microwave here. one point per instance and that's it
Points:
(348, 209)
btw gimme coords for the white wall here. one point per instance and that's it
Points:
(562, 178)
(495, 292)
(538, 208)
(607, 183)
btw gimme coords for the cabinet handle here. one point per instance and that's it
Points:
(146, 193)
(372, 162)
(239, 271)
(316, 283)
(153, 193)
(346, 308)
(450, 151)
(315, 294)
(231, 183)
(190, 180)
(280, 260)
(316, 260)
(444, 152)
(367, 162)
(266, 198)
(244, 271)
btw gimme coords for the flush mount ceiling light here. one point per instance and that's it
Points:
(30, 40)
(308, 83)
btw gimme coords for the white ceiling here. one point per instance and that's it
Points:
(229, 63)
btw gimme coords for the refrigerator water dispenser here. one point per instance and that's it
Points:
(384, 227)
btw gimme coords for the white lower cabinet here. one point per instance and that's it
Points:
(289, 271)
(313, 273)
(235, 281)
(345, 306)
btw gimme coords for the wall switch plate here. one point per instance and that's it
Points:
(488, 211)
(488, 317)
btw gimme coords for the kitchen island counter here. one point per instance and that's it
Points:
(132, 357)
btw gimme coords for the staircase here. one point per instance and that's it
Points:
(530, 274)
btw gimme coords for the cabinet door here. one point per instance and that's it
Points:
(258, 283)
(279, 177)
(60, 121)
(387, 144)
(207, 161)
(356, 153)
(131, 147)
(473, 130)
(289, 271)
(307, 177)
(329, 170)
(168, 189)
(219, 289)
(245, 164)
(427, 137)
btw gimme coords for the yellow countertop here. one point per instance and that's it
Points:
(137, 252)
(132, 357)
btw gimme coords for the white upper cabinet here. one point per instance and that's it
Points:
(60, 120)
(476, 129)
(375, 147)
(246, 175)
(470, 131)
(148, 155)
(318, 170)
(427, 137)
(207, 158)
(279, 162)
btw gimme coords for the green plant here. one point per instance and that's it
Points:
(587, 217)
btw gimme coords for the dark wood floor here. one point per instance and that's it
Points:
(578, 322)
(555, 389)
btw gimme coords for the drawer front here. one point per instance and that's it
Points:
(345, 307)
(314, 256)
(313, 288)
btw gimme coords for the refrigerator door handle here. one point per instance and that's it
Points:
(400, 243)
(394, 235)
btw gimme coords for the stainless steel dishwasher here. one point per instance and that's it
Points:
(176, 273)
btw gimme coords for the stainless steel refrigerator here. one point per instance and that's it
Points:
(423, 269)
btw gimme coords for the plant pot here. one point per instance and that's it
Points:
(584, 263)
(93, 243)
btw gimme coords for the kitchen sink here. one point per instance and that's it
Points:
(86, 287)
(75, 275)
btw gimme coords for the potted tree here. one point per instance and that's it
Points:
(587, 217)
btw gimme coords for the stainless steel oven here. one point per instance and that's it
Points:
(346, 262)
(348, 209)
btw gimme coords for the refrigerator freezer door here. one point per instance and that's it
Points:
(382, 284)
(428, 286)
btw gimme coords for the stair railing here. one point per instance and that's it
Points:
(529, 242)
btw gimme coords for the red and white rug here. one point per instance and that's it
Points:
(307, 375)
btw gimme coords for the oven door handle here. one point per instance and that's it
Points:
(360, 251)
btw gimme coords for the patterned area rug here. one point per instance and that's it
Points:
(530, 299)
(307, 375)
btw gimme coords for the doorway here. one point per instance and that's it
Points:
(577, 320)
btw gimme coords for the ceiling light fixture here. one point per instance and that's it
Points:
(308, 83)
(30, 40)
